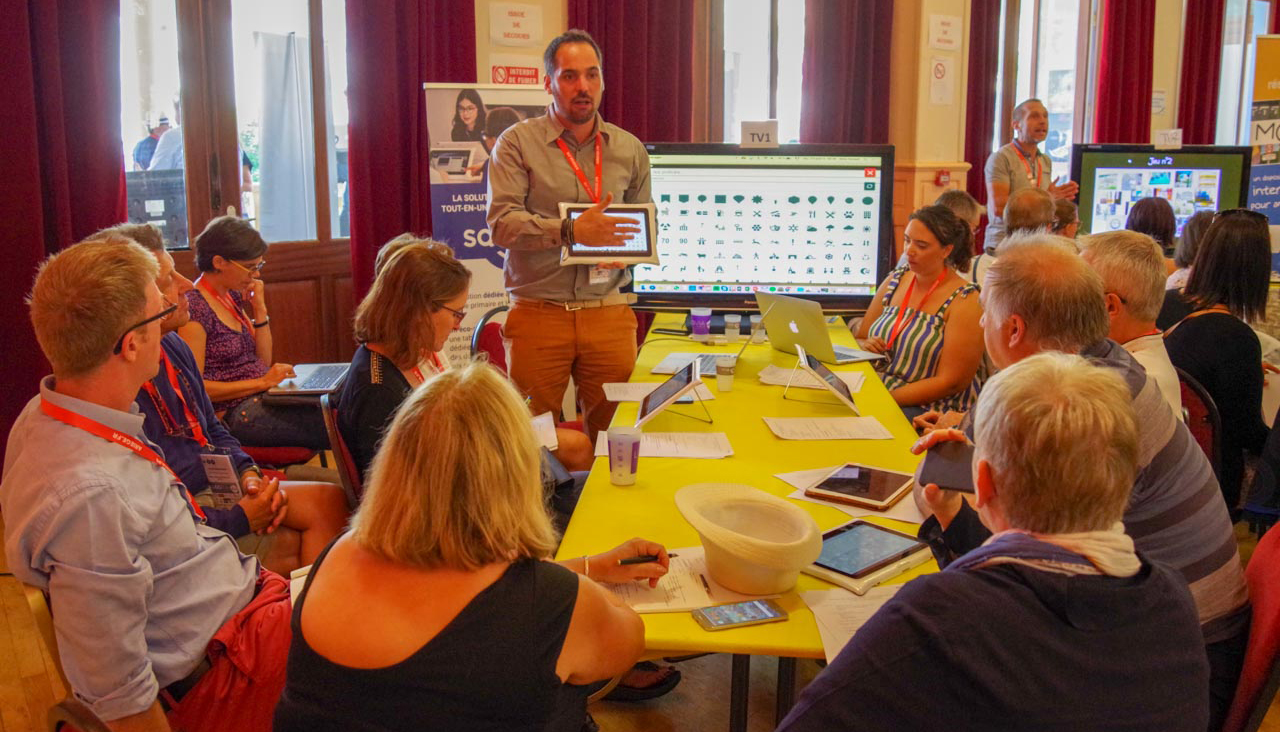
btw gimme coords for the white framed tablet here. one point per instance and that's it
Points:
(640, 248)
(860, 555)
(681, 382)
(825, 376)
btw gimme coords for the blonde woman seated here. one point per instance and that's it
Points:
(461, 621)
(925, 318)
(418, 298)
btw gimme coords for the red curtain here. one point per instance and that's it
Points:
(1201, 65)
(1125, 72)
(63, 161)
(845, 76)
(980, 108)
(648, 63)
(393, 48)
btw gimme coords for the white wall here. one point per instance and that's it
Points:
(554, 17)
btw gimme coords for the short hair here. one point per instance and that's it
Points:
(456, 482)
(1020, 111)
(391, 247)
(573, 35)
(85, 297)
(950, 230)
(1192, 232)
(148, 235)
(961, 203)
(499, 119)
(412, 284)
(1153, 216)
(1132, 266)
(1041, 278)
(1065, 213)
(1028, 209)
(1233, 266)
(229, 237)
(1062, 440)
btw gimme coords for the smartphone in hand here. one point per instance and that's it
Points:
(948, 465)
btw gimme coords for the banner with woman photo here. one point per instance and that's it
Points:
(463, 123)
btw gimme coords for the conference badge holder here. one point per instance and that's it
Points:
(221, 476)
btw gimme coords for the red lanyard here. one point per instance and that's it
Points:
(435, 359)
(898, 325)
(98, 429)
(193, 423)
(577, 170)
(1026, 164)
(226, 302)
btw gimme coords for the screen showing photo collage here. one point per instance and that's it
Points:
(1188, 190)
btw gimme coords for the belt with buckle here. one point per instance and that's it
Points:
(173, 693)
(617, 298)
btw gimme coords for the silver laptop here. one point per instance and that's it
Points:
(791, 320)
(311, 379)
(454, 159)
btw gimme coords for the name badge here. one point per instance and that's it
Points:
(224, 483)
(600, 275)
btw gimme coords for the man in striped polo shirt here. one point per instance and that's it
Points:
(1041, 296)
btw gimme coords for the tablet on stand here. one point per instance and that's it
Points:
(825, 376)
(682, 382)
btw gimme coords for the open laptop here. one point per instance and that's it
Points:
(453, 159)
(311, 379)
(789, 321)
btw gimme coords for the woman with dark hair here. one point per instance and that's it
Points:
(1214, 343)
(1185, 253)
(468, 117)
(1154, 217)
(929, 329)
(230, 337)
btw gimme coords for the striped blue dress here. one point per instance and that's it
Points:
(916, 352)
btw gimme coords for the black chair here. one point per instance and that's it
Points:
(348, 475)
(1202, 418)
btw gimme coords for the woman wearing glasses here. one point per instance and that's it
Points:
(1213, 343)
(468, 117)
(419, 292)
(230, 336)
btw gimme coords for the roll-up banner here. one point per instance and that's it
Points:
(463, 122)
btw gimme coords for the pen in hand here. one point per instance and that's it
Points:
(642, 559)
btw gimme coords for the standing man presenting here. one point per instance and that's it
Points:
(1020, 164)
(571, 320)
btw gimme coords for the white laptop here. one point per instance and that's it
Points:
(454, 159)
(791, 321)
(311, 379)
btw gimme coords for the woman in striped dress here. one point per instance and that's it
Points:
(925, 318)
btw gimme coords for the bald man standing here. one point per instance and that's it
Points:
(1021, 164)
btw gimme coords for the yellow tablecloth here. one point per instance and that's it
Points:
(606, 515)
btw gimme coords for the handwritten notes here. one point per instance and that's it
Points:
(686, 586)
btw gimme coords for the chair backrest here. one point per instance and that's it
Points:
(348, 475)
(72, 715)
(1260, 676)
(1202, 419)
(487, 338)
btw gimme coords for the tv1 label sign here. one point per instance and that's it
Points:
(760, 134)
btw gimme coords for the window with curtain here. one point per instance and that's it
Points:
(753, 43)
(1244, 21)
(287, 170)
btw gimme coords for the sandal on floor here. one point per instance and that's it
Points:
(667, 678)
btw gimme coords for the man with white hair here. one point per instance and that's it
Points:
(1133, 274)
(1040, 296)
(1056, 622)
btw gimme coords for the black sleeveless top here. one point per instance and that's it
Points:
(493, 667)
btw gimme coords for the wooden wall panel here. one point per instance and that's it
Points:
(295, 321)
(344, 301)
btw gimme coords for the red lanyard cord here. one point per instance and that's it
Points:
(228, 303)
(898, 325)
(97, 429)
(1026, 164)
(577, 169)
(193, 423)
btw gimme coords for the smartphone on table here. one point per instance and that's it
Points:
(739, 614)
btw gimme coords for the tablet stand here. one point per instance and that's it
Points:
(699, 400)
(785, 389)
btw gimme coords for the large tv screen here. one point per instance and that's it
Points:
(1195, 178)
(813, 221)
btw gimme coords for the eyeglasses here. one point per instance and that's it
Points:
(250, 270)
(1249, 213)
(458, 315)
(158, 316)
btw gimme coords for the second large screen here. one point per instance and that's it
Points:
(802, 220)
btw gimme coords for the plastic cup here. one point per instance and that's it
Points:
(725, 366)
(624, 454)
(757, 329)
(732, 327)
(700, 320)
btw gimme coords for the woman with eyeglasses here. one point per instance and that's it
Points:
(230, 336)
(468, 117)
(1213, 343)
(417, 299)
